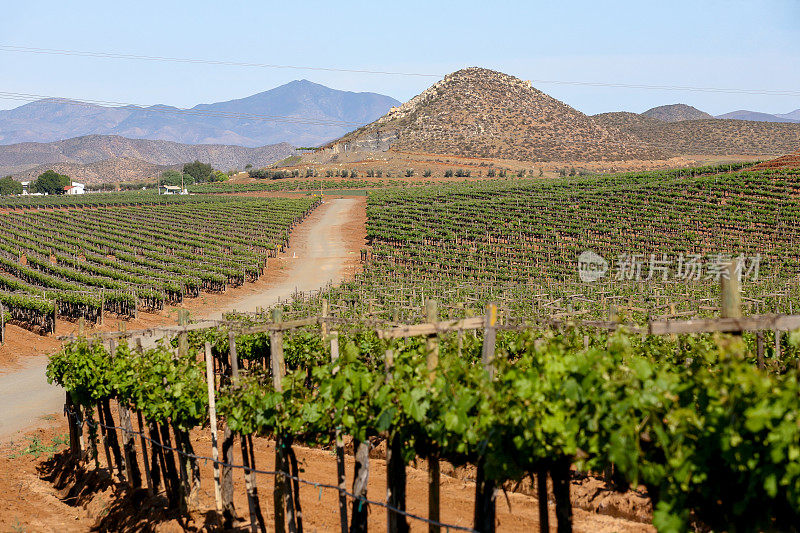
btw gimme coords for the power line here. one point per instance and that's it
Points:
(54, 51)
(112, 55)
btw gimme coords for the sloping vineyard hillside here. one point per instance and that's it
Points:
(661, 238)
(88, 259)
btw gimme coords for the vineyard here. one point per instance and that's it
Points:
(631, 378)
(84, 262)
(712, 439)
(518, 243)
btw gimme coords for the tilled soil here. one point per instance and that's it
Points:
(56, 495)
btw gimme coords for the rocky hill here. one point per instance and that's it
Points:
(478, 112)
(711, 137)
(676, 113)
(301, 113)
(128, 159)
(118, 169)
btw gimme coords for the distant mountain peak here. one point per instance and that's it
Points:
(756, 116)
(676, 113)
(300, 112)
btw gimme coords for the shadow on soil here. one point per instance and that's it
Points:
(117, 507)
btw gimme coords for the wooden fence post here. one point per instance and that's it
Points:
(151, 487)
(252, 497)
(228, 508)
(2, 324)
(730, 289)
(340, 465)
(395, 470)
(760, 349)
(281, 494)
(432, 358)
(128, 443)
(485, 507)
(489, 339)
(183, 337)
(212, 414)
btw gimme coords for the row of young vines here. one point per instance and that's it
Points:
(714, 440)
(79, 263)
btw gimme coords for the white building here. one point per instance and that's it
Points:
(169, 189)
(75, 188)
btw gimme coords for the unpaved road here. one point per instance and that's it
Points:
(318, 255)
(321, 252)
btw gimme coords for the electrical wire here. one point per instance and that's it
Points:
(112, 55)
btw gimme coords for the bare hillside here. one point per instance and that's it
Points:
(712, 136)
(676, 113)
(482, 113)
(130, 156)
(115, 170)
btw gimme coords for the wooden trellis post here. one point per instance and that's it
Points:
(280, 491)
(341, 475)
(432, 358)
(212, 414)
(395, 471)
(183, 337)
(485, 509)
(252, 496)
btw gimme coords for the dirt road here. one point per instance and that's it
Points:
(322, 249)
(319, 254)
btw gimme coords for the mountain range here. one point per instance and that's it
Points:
(98, 158)
(474, 112)
(301, 113)
(680, 112)
(756, 116)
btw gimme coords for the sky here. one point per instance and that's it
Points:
(729, 44)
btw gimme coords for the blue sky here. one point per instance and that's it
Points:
(712, 43)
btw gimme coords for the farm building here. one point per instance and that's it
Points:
(75, 188)
(169, 189)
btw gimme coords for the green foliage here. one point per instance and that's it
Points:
(201, 172)
(218, 176)
(51, 182)
(36, 448)
(9, 185)
(173, 177)
(164, 387)
(712, 438)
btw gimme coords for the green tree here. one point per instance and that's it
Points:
(218, 175)
(51, 182)
(8, 185)
(173, 177)
(201, 172)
